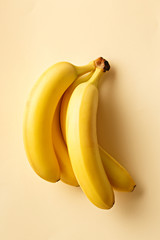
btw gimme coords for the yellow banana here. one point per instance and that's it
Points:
(118, 176)
(82, 141)
(39, 112)
(66, 98)
(66, 171)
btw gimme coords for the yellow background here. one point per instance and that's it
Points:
(34, 34)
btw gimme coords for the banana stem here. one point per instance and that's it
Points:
(101, 66)
(86, 68)
(96, 76)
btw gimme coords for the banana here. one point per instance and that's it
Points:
(38, 116)
(66, 98)
(118, 176)
(82, 142)
(66, 171)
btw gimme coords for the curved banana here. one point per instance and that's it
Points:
(39, 112)
(82, 141)
(67, 174)
(118, 176)
(66, 171)
(66, 98)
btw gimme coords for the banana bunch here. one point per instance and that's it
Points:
(60, 136)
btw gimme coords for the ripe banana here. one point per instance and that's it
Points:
(39, 112)
(66, 98)
(82, 141)
(118, 176)
(66, 171)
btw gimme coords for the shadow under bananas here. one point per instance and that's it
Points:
(115, 137)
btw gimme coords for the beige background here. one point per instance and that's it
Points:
(34, 34)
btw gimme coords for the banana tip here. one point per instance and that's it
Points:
(133, 188)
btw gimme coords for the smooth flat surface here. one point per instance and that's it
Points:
(36, 34)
